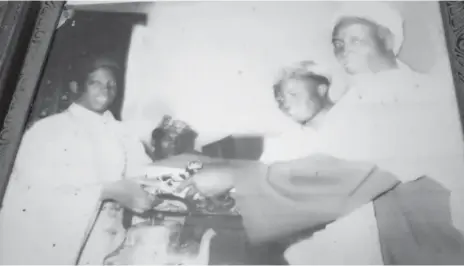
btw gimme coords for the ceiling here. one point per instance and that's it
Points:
(110, 6)
(118, 6)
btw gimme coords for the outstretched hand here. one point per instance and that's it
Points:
(212, 180)
(129, 194)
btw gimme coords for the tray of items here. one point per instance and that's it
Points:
(185, 203)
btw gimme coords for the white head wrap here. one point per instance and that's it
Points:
(378, 13)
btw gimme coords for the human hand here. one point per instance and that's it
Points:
(213, 180)
(130, 195)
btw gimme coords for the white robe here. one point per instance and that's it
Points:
(397, 120)
(55, 185)
(294, 143)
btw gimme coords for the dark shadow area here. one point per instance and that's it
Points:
(452, 20)
(87, 34)
(13, 47)
(242, 148)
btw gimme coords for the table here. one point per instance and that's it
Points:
(230, 245)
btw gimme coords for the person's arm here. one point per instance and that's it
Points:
(284, 198)
(180, 161)
(268, 155)
(288, 197)
(49, 201)
(137, 158)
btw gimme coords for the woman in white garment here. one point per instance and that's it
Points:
(386, 118)
(66, 164)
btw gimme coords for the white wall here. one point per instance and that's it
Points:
(215, 61)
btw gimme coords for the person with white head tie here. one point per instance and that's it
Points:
(391, 114)
(386, 117)
(319, 131)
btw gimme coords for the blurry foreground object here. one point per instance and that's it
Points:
(159, 243)
(172, 137)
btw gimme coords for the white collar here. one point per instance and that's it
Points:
(90, 116)
(402, 69)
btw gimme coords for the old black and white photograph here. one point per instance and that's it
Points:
(241, 133)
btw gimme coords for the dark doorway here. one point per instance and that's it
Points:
(87, 33)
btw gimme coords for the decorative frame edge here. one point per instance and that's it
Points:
(452, 17)
(22, 99)
(15, 31)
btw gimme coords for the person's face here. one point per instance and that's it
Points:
(300, 100)
(99, 90)
(356, 45)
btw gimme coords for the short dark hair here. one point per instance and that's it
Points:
(301, 71)
(320, 80)
(89, 64)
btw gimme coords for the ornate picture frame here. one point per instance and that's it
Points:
(452, 15)
(19, 97)
(27, 31)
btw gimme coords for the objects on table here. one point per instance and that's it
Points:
(186, 202)
(165, 236)
(160, 244)
(172, 137)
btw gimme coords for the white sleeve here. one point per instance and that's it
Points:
(138, 160)
(269, 150)
(49, 202)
